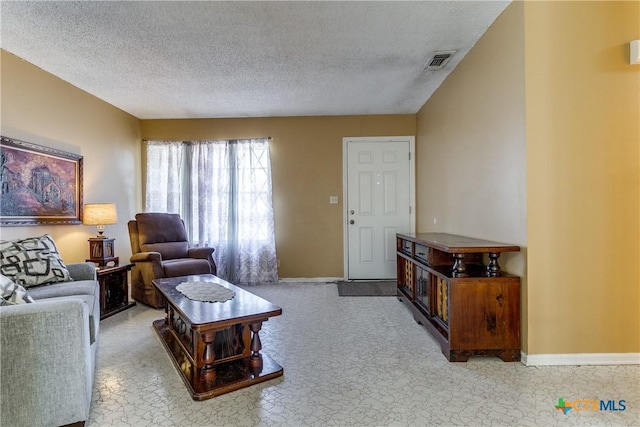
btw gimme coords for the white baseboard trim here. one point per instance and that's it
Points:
(580, 359)
(309, 279)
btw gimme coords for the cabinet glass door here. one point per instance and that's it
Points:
(422, 289)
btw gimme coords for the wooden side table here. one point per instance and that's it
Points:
(114, 289)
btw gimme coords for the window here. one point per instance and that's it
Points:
(222, 190)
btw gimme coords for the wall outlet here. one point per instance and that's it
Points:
(333, 200)
(278, 262)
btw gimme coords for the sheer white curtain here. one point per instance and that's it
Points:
(225, 201)
(164, 176)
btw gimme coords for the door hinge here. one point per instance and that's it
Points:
(409, 209)
(409, 155)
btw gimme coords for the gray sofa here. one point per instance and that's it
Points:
(49, 352)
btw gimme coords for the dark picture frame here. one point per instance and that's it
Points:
(39, 185)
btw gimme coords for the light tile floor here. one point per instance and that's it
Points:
(348, 361)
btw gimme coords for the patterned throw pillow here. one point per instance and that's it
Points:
(33, 261)
(11, 294)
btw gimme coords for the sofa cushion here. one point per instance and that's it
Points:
(32, 261)
(78, 287)
(12, 293)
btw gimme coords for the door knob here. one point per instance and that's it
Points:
(351, 212)
(352, 222)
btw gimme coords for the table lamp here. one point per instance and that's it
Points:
(101, 248)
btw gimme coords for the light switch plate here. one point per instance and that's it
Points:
(333, 200)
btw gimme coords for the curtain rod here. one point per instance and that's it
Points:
(182, 140)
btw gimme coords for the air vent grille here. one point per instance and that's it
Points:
(438, 60)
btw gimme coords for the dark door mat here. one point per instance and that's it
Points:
(367, 289)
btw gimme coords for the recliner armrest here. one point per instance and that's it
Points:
(146, 257)
(204, 253)
(147, 265)
(200, 252)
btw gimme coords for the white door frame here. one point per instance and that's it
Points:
(412, 186)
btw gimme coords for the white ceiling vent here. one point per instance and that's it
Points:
(438, 60)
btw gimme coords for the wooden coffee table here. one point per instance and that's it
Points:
(215, 346)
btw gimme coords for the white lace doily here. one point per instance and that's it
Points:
(205, 291)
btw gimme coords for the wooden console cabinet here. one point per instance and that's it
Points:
(455, 288)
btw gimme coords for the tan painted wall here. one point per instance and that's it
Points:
(40, 108)
(571, 101)
(306, 163)
(471, 147)
(583, 181)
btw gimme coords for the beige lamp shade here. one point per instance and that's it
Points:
(100, 214)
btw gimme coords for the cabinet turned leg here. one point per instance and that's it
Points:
(493, 268)
(255, 360)
(208, 372)
(459, 269)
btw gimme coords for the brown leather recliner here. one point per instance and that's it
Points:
(160, 248)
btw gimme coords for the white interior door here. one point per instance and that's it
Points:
(379, 182)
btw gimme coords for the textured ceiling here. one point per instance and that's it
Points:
(247, 59)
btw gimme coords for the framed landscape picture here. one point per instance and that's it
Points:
(39, 185)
